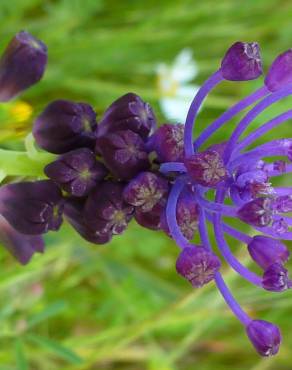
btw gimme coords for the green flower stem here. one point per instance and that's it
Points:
(16, 163)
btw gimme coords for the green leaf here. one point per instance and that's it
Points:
(21, 362)
(56, 348)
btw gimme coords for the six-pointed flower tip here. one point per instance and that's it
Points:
(124, 168)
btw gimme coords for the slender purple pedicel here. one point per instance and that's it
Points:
(65, 125)
(77, 172)
(22, 65)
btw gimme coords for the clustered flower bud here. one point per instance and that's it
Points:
(123, 168)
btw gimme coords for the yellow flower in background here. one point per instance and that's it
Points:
(20, 111)
(175, 90)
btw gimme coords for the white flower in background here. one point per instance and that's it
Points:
(175, 90)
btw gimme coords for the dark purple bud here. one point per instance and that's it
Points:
(242, 62)
(124, 153)
(265, 337)
(283, 204)
(265, 251)
(21, 246)
(257, 212)
(151, 219)
(168, 143)
(64, 126)
(206, 168)
(146, 190)
(129, 112)
(32, 208)
(106, 211)
(197, 265)
(74, 210)
(280, 72)
(276, 278)
(187, 215)
(77, 172)
(22, 65)
(252, 184)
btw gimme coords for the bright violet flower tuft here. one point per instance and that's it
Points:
(276, 278)
(242, 62)
(129, 112)
(77, 172)
(22, 65)
(197, 265)
(124, 153)
(32, 208)
(146, 190)
(265, 337)
(265, 251)
(206, 168)
(167, 142)
(65, 126)
(280, 72)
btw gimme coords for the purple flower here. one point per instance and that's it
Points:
(280, 72)
(65, 126)
(283, 204)
(197, 265)
(145, 191)
(21, 246)
(129, 112)
(151, 219)
(22, 65)
(105, 209)
(32, 208)
(242, 62)
(257, 212)
(187, 215)
(76, 172)
(74, 213)
(167, 142)
(124, 153)
(265, 251)
(265, 337)
(206, 168)
(276, 278)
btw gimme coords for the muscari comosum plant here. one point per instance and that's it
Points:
(101, 176)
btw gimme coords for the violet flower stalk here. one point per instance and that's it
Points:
(231, 172)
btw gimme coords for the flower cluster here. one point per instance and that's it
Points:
(107, 173)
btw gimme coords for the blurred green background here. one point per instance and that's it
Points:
(122, 306)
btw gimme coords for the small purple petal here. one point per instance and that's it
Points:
(22, 65)
(21, 246)
(276, 278)
(265, 251)
(265, 337)
(206, 168)
(280, 72)
(242, 62)
(197, 265)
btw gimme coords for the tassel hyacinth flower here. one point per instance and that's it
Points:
(123, 168)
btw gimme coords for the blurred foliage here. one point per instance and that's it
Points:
(122, 306)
